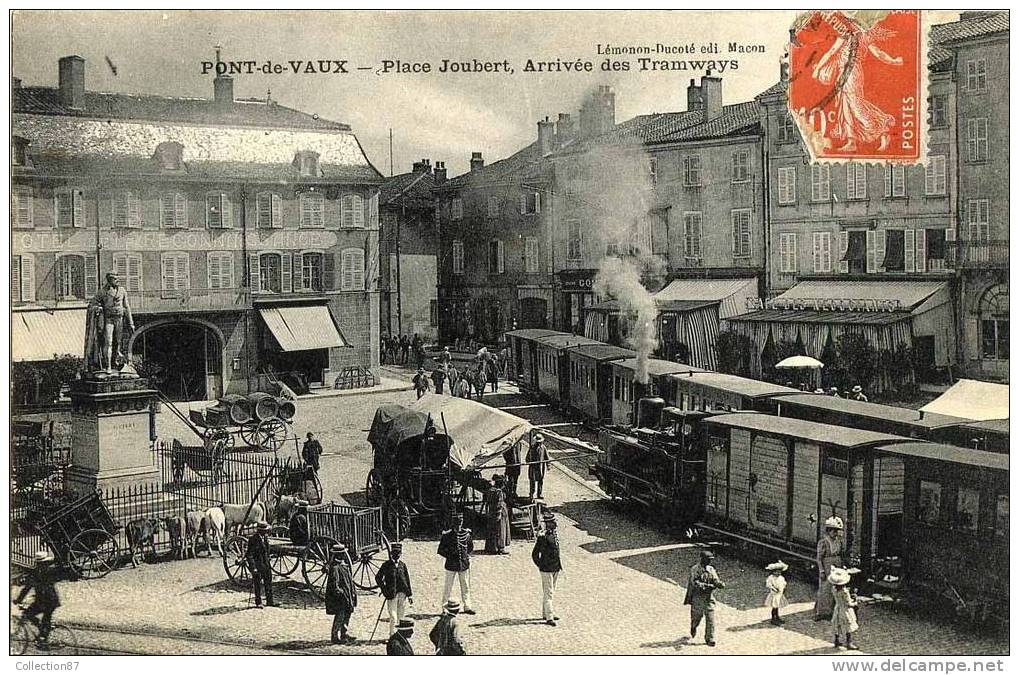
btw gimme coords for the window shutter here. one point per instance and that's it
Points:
(346, 271)
(215, 270)
(27, 277)
(373, 212)
(134, 210)
(880, 248)
(78, 206)
(91, 280)
(921, 250)
(826, 251)
(228, 211)
(253, 276)
(328, 272)
(169, 273)
(537, 202)
(134, 273)
(16, 294)
(817, 253)
(843, 248)
(180, 210)
(910, 246)
(502, 256)
(735, 232)
(287, 273)
(871, 252)
(276, 208)
(950, 234)
(888, 180)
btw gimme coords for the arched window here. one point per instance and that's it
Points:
(994, 323)
(352, 211)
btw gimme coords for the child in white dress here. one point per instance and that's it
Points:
(775, 583)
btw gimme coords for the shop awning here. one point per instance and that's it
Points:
(39, 335)
(731, 294)
(973, 399)
(909, 294)
(302, 327)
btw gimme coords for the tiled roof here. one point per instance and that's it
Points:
(777, 88)
(412, 189)
(969, 28)
(740, 118)
(242, 112)
(523, 165)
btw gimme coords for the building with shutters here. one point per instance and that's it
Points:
(246, 233)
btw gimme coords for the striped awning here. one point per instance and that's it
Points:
(43, 334)
(302, 327)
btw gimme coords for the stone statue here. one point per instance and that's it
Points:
(108, 314)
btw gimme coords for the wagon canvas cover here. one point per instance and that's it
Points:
(479, 433)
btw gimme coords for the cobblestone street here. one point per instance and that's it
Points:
(621, 594)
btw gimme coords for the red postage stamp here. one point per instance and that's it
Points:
(856, 88)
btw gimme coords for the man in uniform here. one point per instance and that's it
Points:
(116, 315)
(257, 556)
(537, 462)
(546, 558)
(399, 642)
(311, 452)
(341, 598)
(393, 579)
(456, 546)
(700, 596)
(42, 580)
(447, 634)
(298, 525)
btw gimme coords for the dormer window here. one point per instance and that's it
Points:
(19, 151)
(307, 163)
(169, 155)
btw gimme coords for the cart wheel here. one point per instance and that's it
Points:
(374, 490)
(247, 434)
(397, 515)
(234, 562)
(367, 566)
(92, 554)
(282, 560)
(315, 565)
(219, 438)
(270, 434)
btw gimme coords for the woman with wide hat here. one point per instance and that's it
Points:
(831, 548)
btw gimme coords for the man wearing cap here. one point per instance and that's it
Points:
(298, 525)
(858, 394)
(341, 598)
(700, 596)
(546, 558)
(537, 462)
(421, 384)
(399, 641)
(42, 580)
(257, 556)
(311, 452)
(456, 546)
(831, 548)
(447, 634)
(393, 579)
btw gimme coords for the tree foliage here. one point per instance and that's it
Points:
(39, 382)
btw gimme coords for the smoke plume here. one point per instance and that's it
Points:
(620, 279)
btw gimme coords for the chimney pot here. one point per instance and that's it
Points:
(72, 81)
(546, 136)
(711, 92)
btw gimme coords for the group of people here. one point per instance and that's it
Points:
(835, 601)
(855, 394)
(397, 349)
(463, 384)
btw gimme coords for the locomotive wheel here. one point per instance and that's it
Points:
(367, 566)
(282, 560)
(234, 562)
(270, 434)
(397, 518)
(92, 554)
(315, 565)
(374, 490)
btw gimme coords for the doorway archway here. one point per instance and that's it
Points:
(182, 358)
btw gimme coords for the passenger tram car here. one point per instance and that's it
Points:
(762, 466)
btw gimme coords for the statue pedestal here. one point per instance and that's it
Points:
(112, 418)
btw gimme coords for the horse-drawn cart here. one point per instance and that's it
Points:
(261, 421)
(82, 535)
(359, 529)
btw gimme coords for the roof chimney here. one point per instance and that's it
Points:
(546, 135)
(223, 85)
(440, 173)
(783, 69)
(712, 90)
(598, 113)
(477, 161)
(424, 166)
(694, 96)
(72, 82)
(564, 129)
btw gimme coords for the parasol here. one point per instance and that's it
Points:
(799, 362)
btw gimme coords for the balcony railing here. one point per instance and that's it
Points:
(190, 300)
(992, 253)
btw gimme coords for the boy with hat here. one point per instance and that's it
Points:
(341, 598)
(700, 596)
(843, 618)
(537, 461)
(399, 641)
(775, 583)
(257, 557)
(447, 634)
(456, 546)
(831, 547)
(393, 579)
(42, 580)
(546, 558)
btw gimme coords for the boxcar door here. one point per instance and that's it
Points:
(806, 467)
(769, 476)
(834, 492)
(716, 501)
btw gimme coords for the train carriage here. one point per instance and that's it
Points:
(774, 481)
(522, 350)
(554, 367)
(989, 435)
(591, 379)
(626, 391)
(865, 415)
(709, 390)
(955, 512)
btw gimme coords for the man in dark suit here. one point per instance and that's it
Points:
(448, 633)
(700, 596)
(311, 452)
(393, 579)
(399, 642)
(298, 525)
(341, 597)
(257, 556)
(546, 558)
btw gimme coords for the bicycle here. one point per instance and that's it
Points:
(25, 638)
